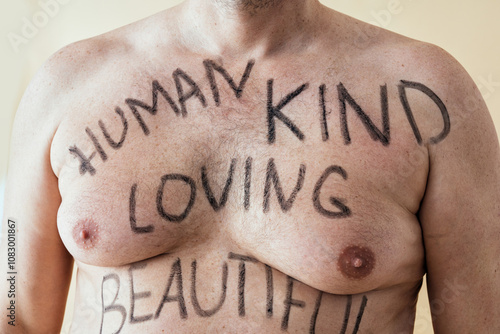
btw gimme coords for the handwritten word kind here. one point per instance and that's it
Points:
(187, 88)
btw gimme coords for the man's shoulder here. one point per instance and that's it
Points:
(431, 65)
(398, 57)
(364, 45)
(412, 63)
(390, 48)
(396, 60)
(68, 73)
(73, 67)
(79, 61)
(421, 59)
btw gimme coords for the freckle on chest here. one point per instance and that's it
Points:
(86, 233)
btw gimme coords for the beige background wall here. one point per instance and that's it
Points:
(468, 29)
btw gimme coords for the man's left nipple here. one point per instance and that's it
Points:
(356, 262)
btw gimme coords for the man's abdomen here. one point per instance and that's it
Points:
(227, 292)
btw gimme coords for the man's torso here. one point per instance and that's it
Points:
(229, 208)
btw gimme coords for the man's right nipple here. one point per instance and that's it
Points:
(86, 233)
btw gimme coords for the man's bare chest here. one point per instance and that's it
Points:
(321, 167)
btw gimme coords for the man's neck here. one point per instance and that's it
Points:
(251, 27)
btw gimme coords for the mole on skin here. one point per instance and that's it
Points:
(85, 233)
(356, 262)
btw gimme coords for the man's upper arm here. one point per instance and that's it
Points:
(32, 199)
(460, 215)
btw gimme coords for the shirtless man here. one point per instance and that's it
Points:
(252, 166)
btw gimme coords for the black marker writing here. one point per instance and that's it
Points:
(314, 317)
(85, 165)
(272, 177)
(183, 97)
(275, 112)
(210, 66)
(187, 88)
(115, 144)
(159, 197)
(174, 293)
(241, 280)
(269, 292)
(134, 296)
(208, 190)
(347, 314)
(152, 109)
(344, 210)
(289, 302)
(248, 180)
(272, 181)
(96, 143)
(384, 135)
(113, 307)
(324, 124)
(194, 298)
(409, 113)
(362, 307)
(133, 220)
(175, 274)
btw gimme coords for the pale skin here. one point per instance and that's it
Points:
(146, 221)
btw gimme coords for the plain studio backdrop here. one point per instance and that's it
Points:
(32, 30)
